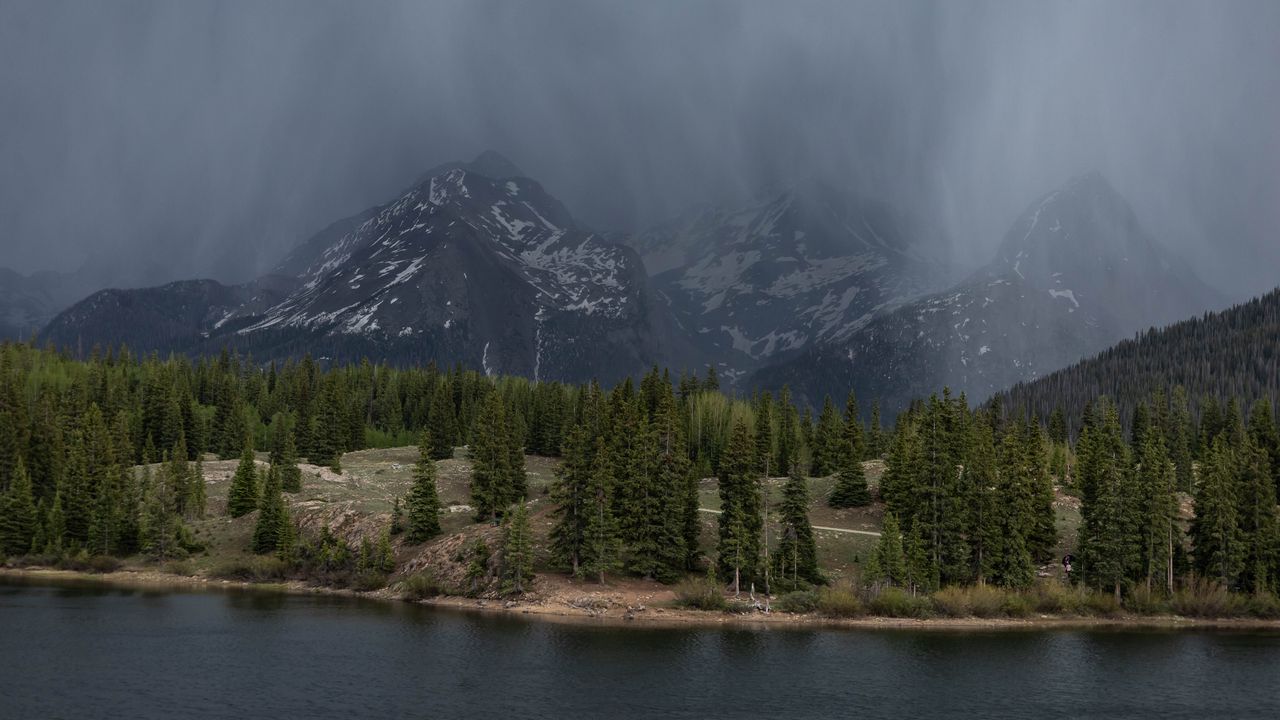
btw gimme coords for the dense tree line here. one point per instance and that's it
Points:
(968, 498)
(1133, 533)
(81, 441)
(1232, 353)
(103, 457)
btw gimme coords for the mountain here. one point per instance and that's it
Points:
(1075, 273)
(484, 269)
(26, 304)
(804, 264)
(1232, 353)
(175, 317)
(29, 302)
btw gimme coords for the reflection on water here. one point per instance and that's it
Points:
(80, 650)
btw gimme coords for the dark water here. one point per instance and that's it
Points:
(74, 651)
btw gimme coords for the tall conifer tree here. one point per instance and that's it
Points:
(423, 506)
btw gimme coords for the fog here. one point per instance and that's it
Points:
(182, 139)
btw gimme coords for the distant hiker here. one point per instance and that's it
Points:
(1067, 560)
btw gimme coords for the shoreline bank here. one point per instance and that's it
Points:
(636, 617)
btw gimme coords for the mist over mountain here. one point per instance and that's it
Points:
(801, 264)
(471, 265)
(1075, 273)
(208, 139)
(833, 194)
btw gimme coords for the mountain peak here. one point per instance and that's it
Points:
(491, 164)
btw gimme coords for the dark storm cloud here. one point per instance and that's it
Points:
(206, 138)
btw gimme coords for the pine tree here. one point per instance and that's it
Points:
(1110, 539)
(517, 552)
(851, 482)
(178, 474)
(796, 558)
(788, 429)
(570, 495)
(1180, 439)
(515, 438)
(397, 517)
(55, 527)
(491, 474)
(827, 446)
(442, 423)
(46, 451)
(765, 451)
(161, 528)
(196, 500)
(690, 520)
(987, 504)
(242, 496)
(1058, 425)
(601, 549)
(1262, 431)
(284, 454)
(1257, 517)
(273, 517)
(890, 562)
(655, 541)
(108, 511)
(630, 452)
(712, 383)
(424, 500)
(1042, 533)
(902, 474)
(384, 558)
(921, 571)
(17, 513)
(875, 436)
(741, 522)
(1217, 542)
(1158, 508)
(854, 433)
(1012, 567)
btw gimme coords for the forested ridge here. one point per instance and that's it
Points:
(101, 458)
(1219, 355)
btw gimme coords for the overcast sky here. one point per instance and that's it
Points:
(205, 138)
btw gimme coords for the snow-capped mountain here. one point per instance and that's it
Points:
(1074, 274)
(804, 264)
(484, 269)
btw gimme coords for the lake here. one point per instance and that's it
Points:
(80, 650)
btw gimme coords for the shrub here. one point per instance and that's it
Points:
(1100, 604)
(368, 581)
(952, 602)
(37, 560)
(1053, 598)
(83, 562)
(1264, 605)
(798, 601)
(782, 586)
(104, 564)
(1207, 599)
(179, 567)
(421, 586)
(1016, 605)
(897, 603)
(251, 569)
(1142, 601)
(700, 594)
(982, 601)
(839, 602)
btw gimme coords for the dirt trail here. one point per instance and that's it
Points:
(824, 528)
